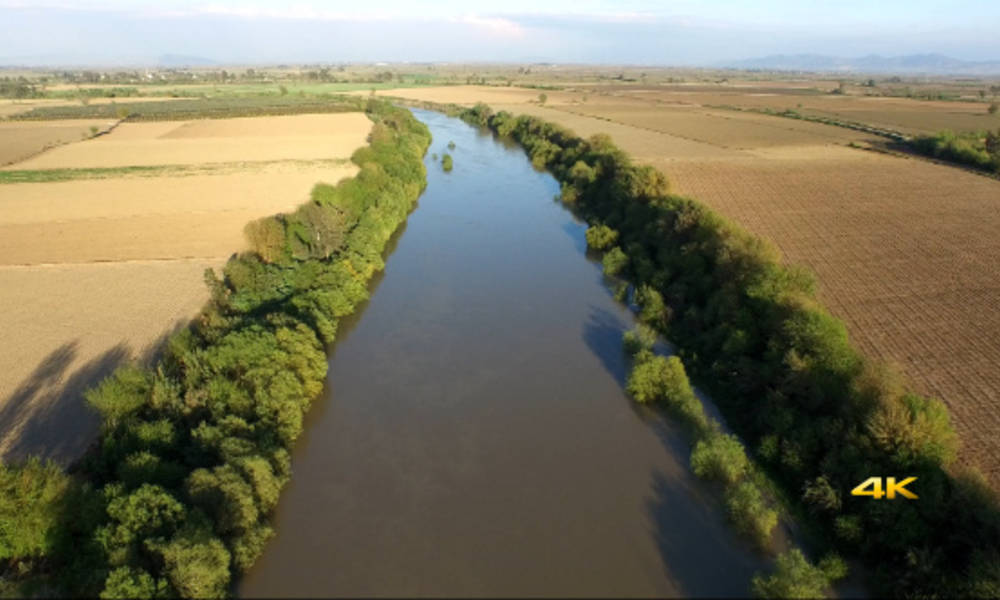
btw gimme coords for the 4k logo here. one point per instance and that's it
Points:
(873, 487)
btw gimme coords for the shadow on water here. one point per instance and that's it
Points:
(602, 332)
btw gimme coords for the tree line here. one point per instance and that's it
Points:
(176, 495)
(979, 150)
(818, 417)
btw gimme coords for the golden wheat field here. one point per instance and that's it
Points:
(299, 137)
(94, 271)
(905, 251)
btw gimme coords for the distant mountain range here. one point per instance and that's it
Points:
(931, 64)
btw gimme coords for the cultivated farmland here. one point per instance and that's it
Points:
(101, 261)
(21, 140)
(905, 251)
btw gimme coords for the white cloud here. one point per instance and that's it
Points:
(494, 25)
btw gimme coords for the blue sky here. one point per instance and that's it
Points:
(680, 32)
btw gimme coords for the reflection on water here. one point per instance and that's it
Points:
(475, 439)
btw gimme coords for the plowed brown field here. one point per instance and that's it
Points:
(22, 139)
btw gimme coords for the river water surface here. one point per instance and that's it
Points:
(475, 438)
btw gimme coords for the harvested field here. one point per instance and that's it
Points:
(905, 115)
(72, 324)
(905, 251)
(21, 140)
(146, 218)
(300, 137)
(93, 271)
(10, 108)
(470, 94)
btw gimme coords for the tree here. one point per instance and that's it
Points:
(447, 163)
(542, 98)
(720, 457)
(30, 497)
(794, 577)
(993, 108)
(614, 261)
(601, 237)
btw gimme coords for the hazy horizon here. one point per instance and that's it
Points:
(682, 33)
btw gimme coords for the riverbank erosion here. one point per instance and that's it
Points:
(176, 495)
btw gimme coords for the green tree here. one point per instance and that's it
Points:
(542, 98)
(719, 457)
(447, 163)
(30, 505)
(601, 237)
(750, 514)
(993, 108)
(614, 262)
(794, 577)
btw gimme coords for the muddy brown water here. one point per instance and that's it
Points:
(474, 439)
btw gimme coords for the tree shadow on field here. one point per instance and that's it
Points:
(47, 416)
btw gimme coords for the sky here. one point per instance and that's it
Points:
(666, 32)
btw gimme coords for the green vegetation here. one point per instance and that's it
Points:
(784, 373)
(796, 578)
(614, 261)
(446, 163)
(976, 149)
(176, 495)
(601, 237)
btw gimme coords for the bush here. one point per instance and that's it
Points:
(601, 237)
(30, 506)
(794, 577)
(750, 514)
(614, 262)
(660, 379)
(446, 163)
(641, 338)
(719, 457)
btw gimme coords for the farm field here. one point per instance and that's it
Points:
(905, 115)
(299, 137)
(94, 271)
(914, 277)
(21, 140)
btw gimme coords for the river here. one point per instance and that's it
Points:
(474, 438)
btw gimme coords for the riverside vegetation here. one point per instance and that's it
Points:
(818, 416)
(175, 497)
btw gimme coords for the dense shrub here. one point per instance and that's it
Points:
(972, 149)
(795, 577)
(447, 164)
(641, 338)
(614, 261)
(30, 497)
(781, 368)
(720, 457)
(601, 237)
(750, 514)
